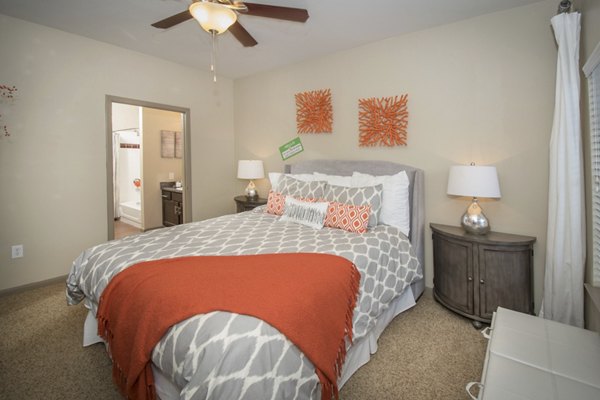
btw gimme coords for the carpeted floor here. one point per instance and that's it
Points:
(427, 352)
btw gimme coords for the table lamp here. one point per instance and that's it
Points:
(474, 181)
(250, 169)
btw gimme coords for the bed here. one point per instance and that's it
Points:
(194, 358)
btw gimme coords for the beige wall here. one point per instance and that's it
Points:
(155, 168)
(479, 90)
(53, 166)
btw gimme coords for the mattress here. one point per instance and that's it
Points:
(224, 355)
(358, 354)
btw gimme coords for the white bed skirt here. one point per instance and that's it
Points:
(358, 355)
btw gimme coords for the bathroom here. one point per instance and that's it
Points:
(140, 164)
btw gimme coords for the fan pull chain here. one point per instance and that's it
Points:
(213, 55)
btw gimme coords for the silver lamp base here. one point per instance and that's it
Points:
(251, 190)
(474, 221)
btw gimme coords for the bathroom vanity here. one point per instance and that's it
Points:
(172, 204)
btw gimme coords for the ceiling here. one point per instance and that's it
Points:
(333, 25)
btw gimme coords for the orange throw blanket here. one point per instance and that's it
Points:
(309, 298)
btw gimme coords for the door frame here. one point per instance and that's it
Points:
(187, 155)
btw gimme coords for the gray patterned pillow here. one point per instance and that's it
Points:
(297, 188)
(358, 196)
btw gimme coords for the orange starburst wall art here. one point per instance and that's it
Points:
(383, 121)
(314, 112)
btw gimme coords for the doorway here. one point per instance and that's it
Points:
(140, 161)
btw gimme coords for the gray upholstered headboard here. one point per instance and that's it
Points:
(415, 176)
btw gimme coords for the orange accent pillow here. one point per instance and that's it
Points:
(348, 217)
(276, 202)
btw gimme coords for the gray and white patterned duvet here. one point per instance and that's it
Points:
(222, 355)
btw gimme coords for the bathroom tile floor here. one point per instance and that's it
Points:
(122, 229)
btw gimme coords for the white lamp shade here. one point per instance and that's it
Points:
(250, 169)
(212, 16)
(473, 181)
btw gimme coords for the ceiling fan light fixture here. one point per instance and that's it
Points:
(212, 16)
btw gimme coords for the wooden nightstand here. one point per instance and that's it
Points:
(244, 203)
(474, 274)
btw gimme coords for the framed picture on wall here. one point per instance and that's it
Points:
(178, 145)
(167, 144)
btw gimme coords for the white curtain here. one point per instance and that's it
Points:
(565, 251)
(116, 197)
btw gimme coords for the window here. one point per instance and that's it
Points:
(592, 72)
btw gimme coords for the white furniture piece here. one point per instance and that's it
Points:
(530, 358)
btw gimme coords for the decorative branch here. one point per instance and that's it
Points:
(7, 93)
(314, 112)
(383, 121)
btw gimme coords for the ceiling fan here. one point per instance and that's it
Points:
(218, 16)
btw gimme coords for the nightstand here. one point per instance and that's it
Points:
(474, 274)
(245, 203)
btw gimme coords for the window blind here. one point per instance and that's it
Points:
(592, 72)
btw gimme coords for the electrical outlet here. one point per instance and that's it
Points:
(17, 251)
(171, 175)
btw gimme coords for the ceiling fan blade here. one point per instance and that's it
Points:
(242, 35)
(173, 20)
(277, 12)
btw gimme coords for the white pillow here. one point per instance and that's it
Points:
(275, 176)
(395, 208)
(306, 213)
(337, 180)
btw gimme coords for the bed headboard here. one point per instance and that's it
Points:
(416, 193)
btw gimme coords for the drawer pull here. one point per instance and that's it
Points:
(481, 281)
(470, 278)
(470, 385)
